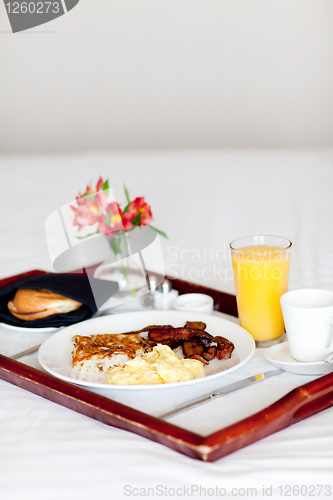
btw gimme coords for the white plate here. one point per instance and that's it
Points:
(55, 353)
(279, 356)
(48, 329)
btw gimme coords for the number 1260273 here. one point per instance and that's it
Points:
(33, 7)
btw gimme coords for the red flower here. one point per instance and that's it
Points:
(138, 213)
(99, 184)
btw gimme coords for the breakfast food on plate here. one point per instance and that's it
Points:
(159, 366)
(155, 354)
(93, 355)
(29, 305)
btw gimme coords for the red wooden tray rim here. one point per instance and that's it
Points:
(297, 405)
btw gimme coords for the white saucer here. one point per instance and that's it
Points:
(279, 356)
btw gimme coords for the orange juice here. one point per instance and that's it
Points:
(261, 277)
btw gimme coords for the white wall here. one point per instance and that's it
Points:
(169, 73)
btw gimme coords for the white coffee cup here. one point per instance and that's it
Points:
(308, 318)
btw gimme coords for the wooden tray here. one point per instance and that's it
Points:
(297, 405)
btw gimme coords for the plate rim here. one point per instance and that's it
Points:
(33, 329)
(131, 314)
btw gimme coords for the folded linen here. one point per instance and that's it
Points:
(91, 292)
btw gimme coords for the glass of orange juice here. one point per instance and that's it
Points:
(261, 272)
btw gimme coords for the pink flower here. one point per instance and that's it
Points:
(90, 211)
(101, 201)
(80, 199)
(102, 228)
(83, 216)
(115, 214)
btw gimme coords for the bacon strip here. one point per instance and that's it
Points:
(196, 343)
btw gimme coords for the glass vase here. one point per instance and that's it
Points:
(123, 267)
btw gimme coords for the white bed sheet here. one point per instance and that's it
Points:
(202, 200)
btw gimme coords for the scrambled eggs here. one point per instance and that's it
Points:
(159, 366)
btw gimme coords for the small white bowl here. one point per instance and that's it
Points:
(194, 302)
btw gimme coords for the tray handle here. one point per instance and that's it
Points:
(297, 405)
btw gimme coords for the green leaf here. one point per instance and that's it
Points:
(127, 195)
(162, 233)
(86, 236)
(137, 219)
(105, 187)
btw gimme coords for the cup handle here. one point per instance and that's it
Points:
(329, 349)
